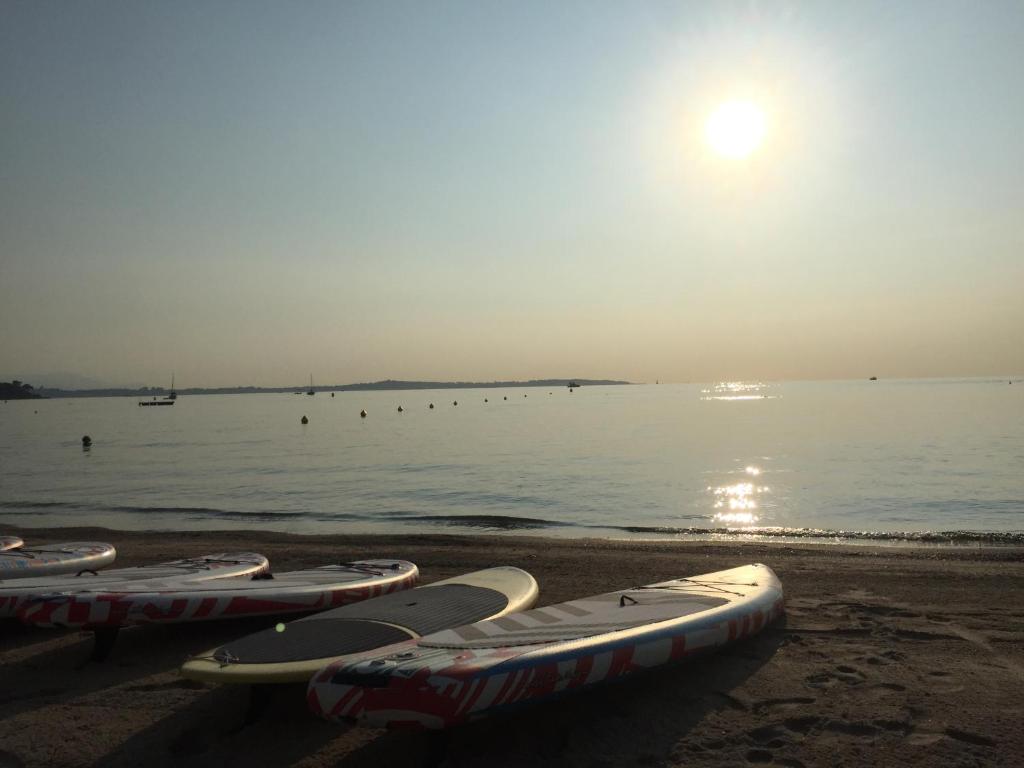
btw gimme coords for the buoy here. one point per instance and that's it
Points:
(431, 406)
(86, 441)
(400, 409)
(362, 414)
(506, 397)
(455, 402)
(485, 399)
(305, 420)
(525, 395)
(332, 394)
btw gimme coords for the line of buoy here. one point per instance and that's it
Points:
(86, 441)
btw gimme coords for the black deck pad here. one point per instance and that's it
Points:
(367, 625)
(305, 640)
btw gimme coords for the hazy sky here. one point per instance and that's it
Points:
(247, 192)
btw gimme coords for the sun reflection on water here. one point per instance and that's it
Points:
(736, 504)
(737, 390)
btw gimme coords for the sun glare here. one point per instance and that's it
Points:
(735, 129)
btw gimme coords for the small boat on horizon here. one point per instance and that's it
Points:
(154, 401)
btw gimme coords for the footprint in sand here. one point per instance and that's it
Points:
(883, 691)
(940, 681)
(883, 659)
(928, 738)
(770, 705)
(775, 735)
(842, 675)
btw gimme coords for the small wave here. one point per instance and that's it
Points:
(511, 523)
(508, 523)
(228, 514)
(501, 522)
(168, 510)
(38, 504)
(1013, 538)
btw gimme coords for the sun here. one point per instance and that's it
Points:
(735, 129)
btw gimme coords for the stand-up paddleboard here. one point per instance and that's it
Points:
(54, 559)
(219, 566)
(293, 652)
(173, 601)
(464, 673)
(10, 542)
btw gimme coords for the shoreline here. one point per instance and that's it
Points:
(886, 655)
(885, 540)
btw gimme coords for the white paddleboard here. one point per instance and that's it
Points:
(54, 559)
(172, 601)
(465, 673)
(10, 542)
(218, 566)
(293, 652)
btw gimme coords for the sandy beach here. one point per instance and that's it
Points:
(886, 656)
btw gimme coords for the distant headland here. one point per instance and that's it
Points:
(17, 390)
(387, 384)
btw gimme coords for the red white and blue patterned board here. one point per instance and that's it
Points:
(296, 651)
(10, 542)
(465, 673)
(218, 566)
(55, 559)
(175, 601)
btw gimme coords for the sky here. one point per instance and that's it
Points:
(247, 193)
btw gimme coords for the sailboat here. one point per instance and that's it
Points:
(169, 400)
(311, 391)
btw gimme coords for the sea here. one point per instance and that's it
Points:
(933, 462)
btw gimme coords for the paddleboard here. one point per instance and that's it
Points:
(173, 601)
(489, 666)
(293, 652)
(218, 566)
(10, 542)
(54, 559)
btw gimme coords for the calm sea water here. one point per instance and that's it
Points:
(886, 460)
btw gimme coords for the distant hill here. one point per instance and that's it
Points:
(17, 390)
(67, 381)
(387, 384)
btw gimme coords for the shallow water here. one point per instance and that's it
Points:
(934, 460)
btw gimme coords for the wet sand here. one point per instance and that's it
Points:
(886, 656)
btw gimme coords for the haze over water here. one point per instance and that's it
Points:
(875, 458)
